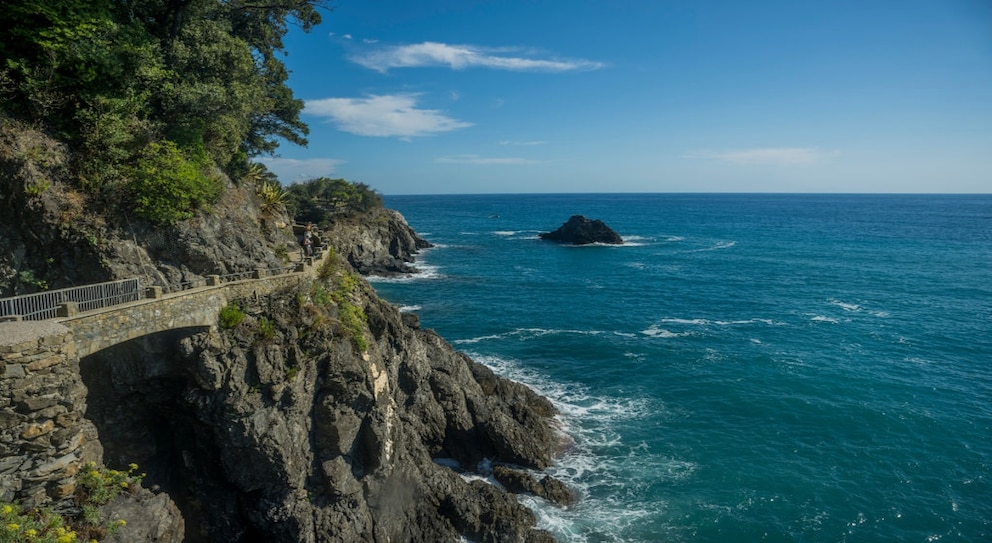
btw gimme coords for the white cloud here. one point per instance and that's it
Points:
(383, 116)
(290, 170)
(768, 156)
(478, 160)
(511, 142)
(459, 57)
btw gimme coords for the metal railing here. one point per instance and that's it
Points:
(43, 305)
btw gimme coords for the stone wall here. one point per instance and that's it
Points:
(97, 330)
(44, 437)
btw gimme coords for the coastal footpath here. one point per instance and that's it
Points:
(307, 411)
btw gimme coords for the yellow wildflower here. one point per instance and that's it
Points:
(13, 527)
(123, 484)
(31, 532)
(8, 509)
(132, 466)
(122, 522)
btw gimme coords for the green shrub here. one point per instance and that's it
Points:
(266, 329)
(95, 487)
(38, 526)
(167, 187)
(353, 321)
(271, 194)
(99, 486)
(231, 316)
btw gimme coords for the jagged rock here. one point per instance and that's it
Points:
(579, 230)
(300, 436)
(548, 487)
(146, 516)
(379, 243)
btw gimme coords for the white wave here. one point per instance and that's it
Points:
(708, 322)
(846, 306)
(409, 308)
(527, 333)
(425, 272)
(636, 238)
(477, 339)
(716, 247)
(607, 483)
(505, 232)
(821, 318)
(654, 331)
(597, 244)
(674, 238)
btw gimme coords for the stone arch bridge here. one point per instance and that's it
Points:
(44, 434)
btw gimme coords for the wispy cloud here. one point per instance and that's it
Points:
(768, 156)
(383, 116)
(511, 142)
(459, 57)
(480, 160)
(290, 169)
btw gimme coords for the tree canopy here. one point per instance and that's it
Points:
(321, 200)
(122, 80)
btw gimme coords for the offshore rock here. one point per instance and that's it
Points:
(579, 230)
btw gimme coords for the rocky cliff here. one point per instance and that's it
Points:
(322, 415)
(282, 429)
(379, 242)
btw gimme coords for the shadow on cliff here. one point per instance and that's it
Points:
(135, 399)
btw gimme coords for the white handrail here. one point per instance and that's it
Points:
(43, 305)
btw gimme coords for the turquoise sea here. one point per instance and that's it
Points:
(812, 368)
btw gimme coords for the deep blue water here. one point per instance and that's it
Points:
(746, 367)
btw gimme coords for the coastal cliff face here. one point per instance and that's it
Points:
(280, 429)
(324, 415)
(379, 242)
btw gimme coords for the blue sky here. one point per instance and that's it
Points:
(467, 96)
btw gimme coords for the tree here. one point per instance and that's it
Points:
(113, 76)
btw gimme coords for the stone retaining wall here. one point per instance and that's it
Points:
(44, 438)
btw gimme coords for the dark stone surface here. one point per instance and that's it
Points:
(299, 437)
(582, 231)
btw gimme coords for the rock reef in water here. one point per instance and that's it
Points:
(582, 231)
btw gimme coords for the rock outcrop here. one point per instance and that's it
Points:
(280, 429)
(579, 230)
(379, 242)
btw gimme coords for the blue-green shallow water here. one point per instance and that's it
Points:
(747, 367)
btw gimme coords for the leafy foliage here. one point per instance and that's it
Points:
(167, 186)
(230, 316)
(95, 487)
(113, 79)
(320, 200)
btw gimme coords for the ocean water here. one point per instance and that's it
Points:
(746, 368)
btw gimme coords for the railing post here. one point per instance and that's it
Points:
(259, 273)
(67, 309)
(153, 292)
(10, 318)
(213, 280)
